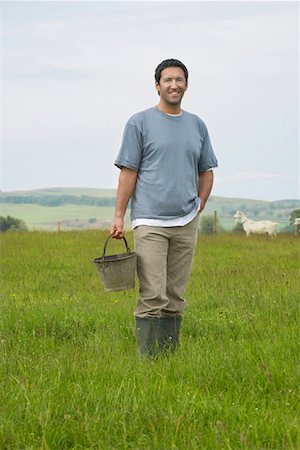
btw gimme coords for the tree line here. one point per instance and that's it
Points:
(59, 200)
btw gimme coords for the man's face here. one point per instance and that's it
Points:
(172, 85)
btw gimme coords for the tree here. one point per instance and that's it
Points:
(12, 224)
(243, 208)
(207, 225)
(295, 214)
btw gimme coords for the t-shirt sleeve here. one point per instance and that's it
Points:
(130, 153)
(208, 158)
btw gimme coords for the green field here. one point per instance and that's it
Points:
(46, 218)
(40, 217)
(71, 377)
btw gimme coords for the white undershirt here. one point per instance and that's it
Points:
(177, 222)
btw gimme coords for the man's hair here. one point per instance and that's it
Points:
(169, 63)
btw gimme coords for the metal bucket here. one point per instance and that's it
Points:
(117, 272)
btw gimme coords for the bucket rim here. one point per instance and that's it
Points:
(113, 258)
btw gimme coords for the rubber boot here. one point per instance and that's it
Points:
(145, 336)
(157, 335)
(169, 328)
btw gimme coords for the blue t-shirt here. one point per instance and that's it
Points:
(168, 152)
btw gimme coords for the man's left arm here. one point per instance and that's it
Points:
(205, 185)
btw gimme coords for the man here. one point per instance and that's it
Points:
(165, 159)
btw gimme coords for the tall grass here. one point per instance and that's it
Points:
(71, 377)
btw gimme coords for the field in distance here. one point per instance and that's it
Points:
(81, 208)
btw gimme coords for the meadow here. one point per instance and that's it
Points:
(71, 377)
(41, 217)
(46, 218)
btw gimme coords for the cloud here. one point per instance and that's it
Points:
(83, 41)
(75, 71)
(240, 176)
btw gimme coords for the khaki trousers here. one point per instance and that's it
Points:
(164, 263)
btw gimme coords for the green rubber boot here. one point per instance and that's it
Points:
(157, 335)
(169, 329)
(145, 336)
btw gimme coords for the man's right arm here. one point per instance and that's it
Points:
(126, 186)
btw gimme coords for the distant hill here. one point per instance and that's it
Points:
(97, 192)
(93, 208)
(59, 197)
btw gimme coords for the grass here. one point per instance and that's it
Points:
(69, 371)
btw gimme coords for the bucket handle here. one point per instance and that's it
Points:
(106, 242)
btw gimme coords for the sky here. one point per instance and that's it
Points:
(73, 73)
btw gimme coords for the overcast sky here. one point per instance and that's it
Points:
(73, 72)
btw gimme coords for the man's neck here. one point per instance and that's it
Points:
(169, 109)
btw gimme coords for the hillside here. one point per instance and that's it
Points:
(97, 192)
(80, 208)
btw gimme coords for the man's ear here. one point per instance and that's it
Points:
(157, 87)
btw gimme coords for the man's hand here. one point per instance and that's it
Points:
(116, 229)
(201, 206)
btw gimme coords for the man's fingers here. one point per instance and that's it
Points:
(115, 233)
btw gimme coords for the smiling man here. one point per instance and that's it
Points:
(166, 161)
